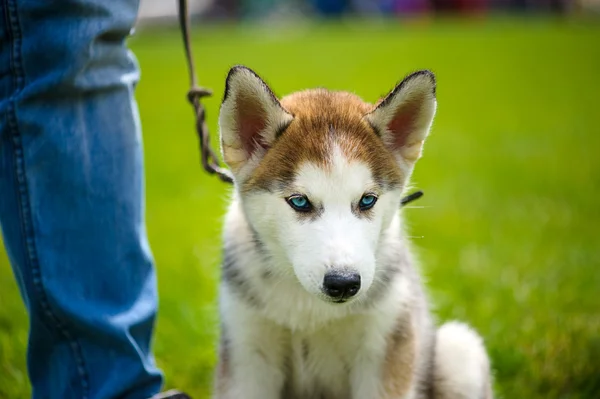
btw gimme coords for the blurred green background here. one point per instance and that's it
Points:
(508, 230)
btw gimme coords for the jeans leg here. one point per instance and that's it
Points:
(72, 197)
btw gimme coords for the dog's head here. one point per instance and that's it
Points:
(320, 174)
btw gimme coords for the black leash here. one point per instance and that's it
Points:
(208, 158)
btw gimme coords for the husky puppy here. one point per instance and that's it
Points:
(320, 297)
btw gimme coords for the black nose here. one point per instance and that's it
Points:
(341, 285)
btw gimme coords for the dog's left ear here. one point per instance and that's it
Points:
(403, 118)
(250, 118)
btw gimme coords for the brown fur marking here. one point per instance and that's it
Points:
(323, 118)
(400, 361)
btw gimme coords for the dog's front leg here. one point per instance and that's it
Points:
(251, 359)
(366, 379)
(367, 344)
(385, 359)
(373, 377)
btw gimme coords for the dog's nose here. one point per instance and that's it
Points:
(341, 285)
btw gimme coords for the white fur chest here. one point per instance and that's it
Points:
(320, 364)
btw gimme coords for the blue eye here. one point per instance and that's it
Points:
(299, 203)
(367, 201)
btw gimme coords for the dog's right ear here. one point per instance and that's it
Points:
(250, 118)
(403, 118)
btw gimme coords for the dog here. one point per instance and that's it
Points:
(319, 294)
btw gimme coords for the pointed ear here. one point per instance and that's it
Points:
(403, 118)
(250, 119)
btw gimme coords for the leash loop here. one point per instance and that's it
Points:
(208, 158)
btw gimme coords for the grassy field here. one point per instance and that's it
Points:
(509, 230)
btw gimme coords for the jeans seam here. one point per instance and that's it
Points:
(25, 215)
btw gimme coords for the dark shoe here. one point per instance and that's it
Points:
(172, 394)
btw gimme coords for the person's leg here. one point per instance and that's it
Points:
(71, 197)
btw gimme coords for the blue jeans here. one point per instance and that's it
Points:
(72, 197)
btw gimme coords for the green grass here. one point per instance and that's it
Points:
(510, 225)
